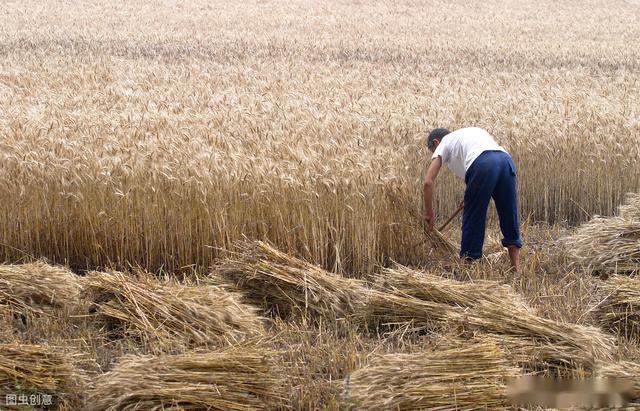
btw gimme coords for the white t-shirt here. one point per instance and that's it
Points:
(460, 148)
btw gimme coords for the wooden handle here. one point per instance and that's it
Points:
(446, 223)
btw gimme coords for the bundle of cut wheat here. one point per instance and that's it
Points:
(47, 372)
(142, 306)
(393, 308)
(432, 236)
(237, 378)
(403, 294)
(619, 310)
(584, 344)
(467, 376)
(430, 287)
(37, 288)
(408, 295)
(286, 284)
(559, 359)
(609, 244)
(440, 242)
(627, 371)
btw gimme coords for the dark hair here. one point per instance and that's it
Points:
(436, 134)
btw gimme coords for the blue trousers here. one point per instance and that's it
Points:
(491, 175)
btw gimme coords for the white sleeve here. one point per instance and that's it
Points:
(443, 151)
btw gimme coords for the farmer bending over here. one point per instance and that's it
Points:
(489, 172)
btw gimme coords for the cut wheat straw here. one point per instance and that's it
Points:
(555, 358)
(144, 307)
(609, 244)
(403, 294)
(286, 284)
(440, 242)
(434, 237)
(44, 370)
(619, 310)
(628, 371)
(238, 378)
(584, 344)
(468, 376)
(37, 288)
(429, 300)
(431, 287)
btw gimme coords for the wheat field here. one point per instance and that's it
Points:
(155, 135)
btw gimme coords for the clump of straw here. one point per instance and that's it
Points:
(559, 359)
(609, 244)
(471, 375)
(44, 370)
(583, 344)
(432, 236)
(439, 241)
(620, 308)
(37, 288)
(627, 371)
(403, 294)
(429, 287)
(238, 378)
(147, 308)
(285, 284)
(432, 301)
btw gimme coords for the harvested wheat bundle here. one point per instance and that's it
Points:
(539, 355)
(37, 288)
(286, 284)
(237, 378)
(404, 295)
(627, 371)
(433, 236)
(585, 345)
(393, 308)
(148, 308)
(49, 371)
(620, 308)
(430, 287)
(440, 242)
(467, 376)
(630, 209)
(609, 244)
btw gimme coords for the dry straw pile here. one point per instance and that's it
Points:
(238, 378)
(434, 239)
(468, 376)
(627, 371)
(37, 288)
(42, 369)
(609, 245)
(286, 285)
(619, 309)
(143, 307)
(556, 359)
(430, 300)
(403, 294)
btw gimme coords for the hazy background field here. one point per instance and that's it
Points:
(156, 132)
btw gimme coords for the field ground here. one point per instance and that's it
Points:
(157, 134)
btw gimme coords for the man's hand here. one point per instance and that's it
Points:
(429, 219)
(461, 205)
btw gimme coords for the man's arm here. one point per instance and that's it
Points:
(429, 181)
